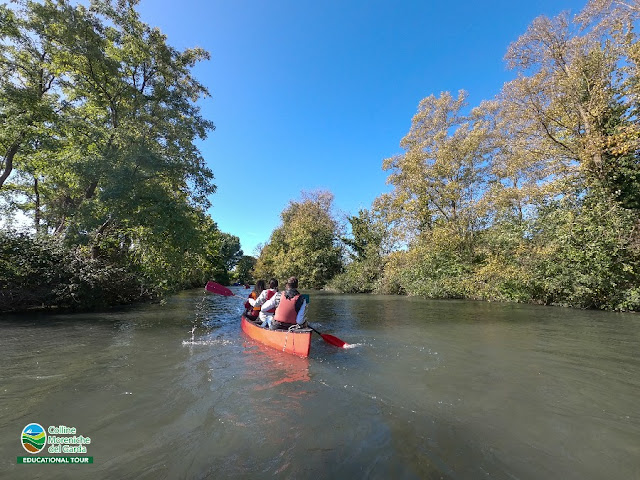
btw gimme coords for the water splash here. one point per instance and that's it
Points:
(206, 342)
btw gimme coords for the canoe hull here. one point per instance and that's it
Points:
(297, 342)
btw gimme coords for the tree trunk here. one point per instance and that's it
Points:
(37, 204)
(8, 162)
(95, 248)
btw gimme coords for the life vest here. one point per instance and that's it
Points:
(248, 306)
(287, 311)
(270, 293)
(256, 310)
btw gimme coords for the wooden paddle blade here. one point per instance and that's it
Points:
(214, 287)
(333, 340)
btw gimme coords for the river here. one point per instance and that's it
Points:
(427, 390)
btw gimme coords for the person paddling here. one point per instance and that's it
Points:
(251, 311)
(266, 315)
(290, 307)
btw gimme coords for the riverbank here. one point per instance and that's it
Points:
(45, 273)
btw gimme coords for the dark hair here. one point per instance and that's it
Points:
(292, 282)
(273, 283)
(260, 286)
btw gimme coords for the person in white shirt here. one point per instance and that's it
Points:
(266, 316)
(290, 306)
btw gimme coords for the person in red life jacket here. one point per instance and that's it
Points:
(266, 315)
(250, 311)
(291, 307)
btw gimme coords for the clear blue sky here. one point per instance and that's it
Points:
(314, 94)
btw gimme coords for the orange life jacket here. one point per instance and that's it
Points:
(256, 310)
(286, 311)
(248, 306)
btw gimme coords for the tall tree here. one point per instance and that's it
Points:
(230, 251)
(244, 268)
(127, 119)
(570, 87)
(33, 106)
(616, 22)
(368, 235)
(29, 88)
(98, 132)
(519, 168)
(305, 245)
(367, 246)
(441, 175)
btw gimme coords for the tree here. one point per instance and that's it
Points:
(574, 109)
(520, 168)
(28, 84)
(578, 96)
(243, 271)
(441, 175)
(366, 246)
(230, 251)
(368, 235)
(98, 125)
(616, 22)
(584, 255)
(436, 205)
(125, 121)
(305, 245)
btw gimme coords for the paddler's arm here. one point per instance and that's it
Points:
(271, 303)
(301, 313)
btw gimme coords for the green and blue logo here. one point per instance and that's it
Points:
(34, 438)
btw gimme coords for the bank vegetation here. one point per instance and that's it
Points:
(532, 196)
(98, 124)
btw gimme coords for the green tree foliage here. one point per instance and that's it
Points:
(621, 164)
(305, 245)
(586, 255)
(230, 251)
(244, 268)
(126, 117)
(439, 178)
(29, 86)
(97, 136)
(366, 248)
(43, 271)
(436, 205)
(368, 235)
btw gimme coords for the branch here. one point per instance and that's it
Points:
(8, 161)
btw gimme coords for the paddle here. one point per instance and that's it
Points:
(330, 338)
(214, 287)
(325, 336)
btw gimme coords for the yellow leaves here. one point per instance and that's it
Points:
(625, 140)
(441, 172)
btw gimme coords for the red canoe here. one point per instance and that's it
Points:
(296, 342)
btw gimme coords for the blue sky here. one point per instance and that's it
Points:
(310, 95)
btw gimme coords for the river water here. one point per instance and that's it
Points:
(427, 389)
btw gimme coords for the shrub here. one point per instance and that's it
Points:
(41, 272)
